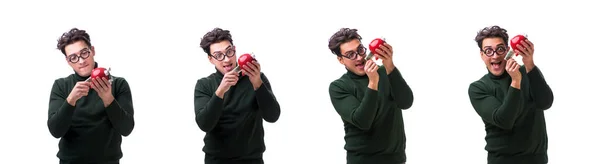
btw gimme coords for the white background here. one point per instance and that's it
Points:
(155, 46)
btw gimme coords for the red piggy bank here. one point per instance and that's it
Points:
(243, 61)
(99, 73)
(517, 41)
(375, 44)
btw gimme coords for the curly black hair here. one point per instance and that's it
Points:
(72, 36)
(491, 32)
(214, 36)
(340, 37)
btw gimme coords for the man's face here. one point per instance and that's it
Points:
(223, 56)
(80, 57)
(494, 50)
(353, 54)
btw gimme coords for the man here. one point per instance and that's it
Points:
(511, 100)
(89, 117)
(369, 100)
(230, 106)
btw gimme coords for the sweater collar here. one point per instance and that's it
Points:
(502, 76)
(355, 76)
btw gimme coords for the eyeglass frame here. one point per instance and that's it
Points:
(495, 51)
(82, 55)
(228, 50)
(354, 53)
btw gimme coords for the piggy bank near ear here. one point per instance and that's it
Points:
(243, 60)
(374, 45)
(516, 41)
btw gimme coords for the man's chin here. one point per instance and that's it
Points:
(84, 72)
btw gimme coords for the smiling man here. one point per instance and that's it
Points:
(231, 107)
(89, 117)
(369, 100)
(511, 100)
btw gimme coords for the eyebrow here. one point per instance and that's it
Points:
(222, 50)
(501, 44)
(79, 51)
(355, 49)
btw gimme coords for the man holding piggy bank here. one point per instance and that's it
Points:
(511, 99)
(89, 109)
(370, 100)
(230, 106)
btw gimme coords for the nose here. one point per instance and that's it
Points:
(360, 57)
(81, 61)
(496, 56)
(227, 58)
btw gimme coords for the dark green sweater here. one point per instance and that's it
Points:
(514, 118)
(88, 131)
(234, 124)
(372, 119)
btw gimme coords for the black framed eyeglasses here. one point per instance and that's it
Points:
(352, 55)
(83, 54)
(220, 56)
(501, 50)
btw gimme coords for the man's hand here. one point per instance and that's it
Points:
(79, 90)
(252, 70)
(512, 67)
(385, 53)
(104, 89)
(527, 54)
(229, 79)
(371, 69)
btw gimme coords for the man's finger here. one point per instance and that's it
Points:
(385, 48)
(106, 82)
(94, 84)
(101, 83)
(254, 66)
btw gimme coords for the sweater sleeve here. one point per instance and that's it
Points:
(501, 113)
(540, 90)
(207, 106)
(120, 111)
(267, 103)
(360, 113)
(60, 112)
(401, 92)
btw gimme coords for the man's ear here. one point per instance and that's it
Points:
(93, 51)
(482, 55)
(341, 60)
(209, 59)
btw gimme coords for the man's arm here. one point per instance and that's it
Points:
(502, 114)
(207, 106)
(358, 113)
(401, 92)
(540, 90)
(120, 111)
(267, 103)
(60, 112)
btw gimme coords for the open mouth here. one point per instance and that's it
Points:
(228, 67)
(360, 65)
(496, 64)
